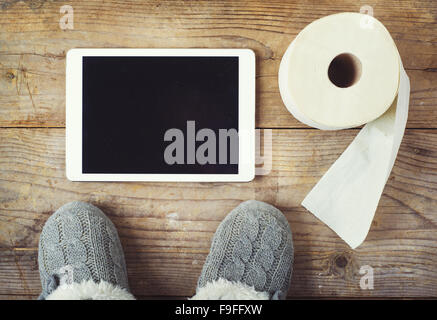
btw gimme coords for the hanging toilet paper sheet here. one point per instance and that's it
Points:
(340, 72)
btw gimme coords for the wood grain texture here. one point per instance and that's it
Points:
(166, 228)
(33, 47)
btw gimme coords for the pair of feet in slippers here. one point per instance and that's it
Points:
(251, 257)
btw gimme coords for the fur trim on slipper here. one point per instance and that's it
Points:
(89, 290)
(223, 289)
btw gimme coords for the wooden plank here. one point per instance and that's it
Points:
(317, 273)
(33, 47)
(166, 228)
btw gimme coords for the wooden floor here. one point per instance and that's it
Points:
(166, 228)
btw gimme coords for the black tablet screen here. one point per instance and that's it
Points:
(160, 115)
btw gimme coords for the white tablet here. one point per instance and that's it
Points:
(160, 115)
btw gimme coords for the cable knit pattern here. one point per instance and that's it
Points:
(79, 243)
(253, 245)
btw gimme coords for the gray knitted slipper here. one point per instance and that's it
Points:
(251, 255)
(80, 256)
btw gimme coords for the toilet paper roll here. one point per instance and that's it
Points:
(343, 71)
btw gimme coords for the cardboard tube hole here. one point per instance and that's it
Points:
(344, 70)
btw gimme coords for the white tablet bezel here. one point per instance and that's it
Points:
(246, 115)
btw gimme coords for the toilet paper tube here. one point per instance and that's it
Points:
(343, 71)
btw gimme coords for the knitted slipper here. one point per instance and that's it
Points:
(80, 256)
(251, 255)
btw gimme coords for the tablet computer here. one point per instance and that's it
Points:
(160, 115)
